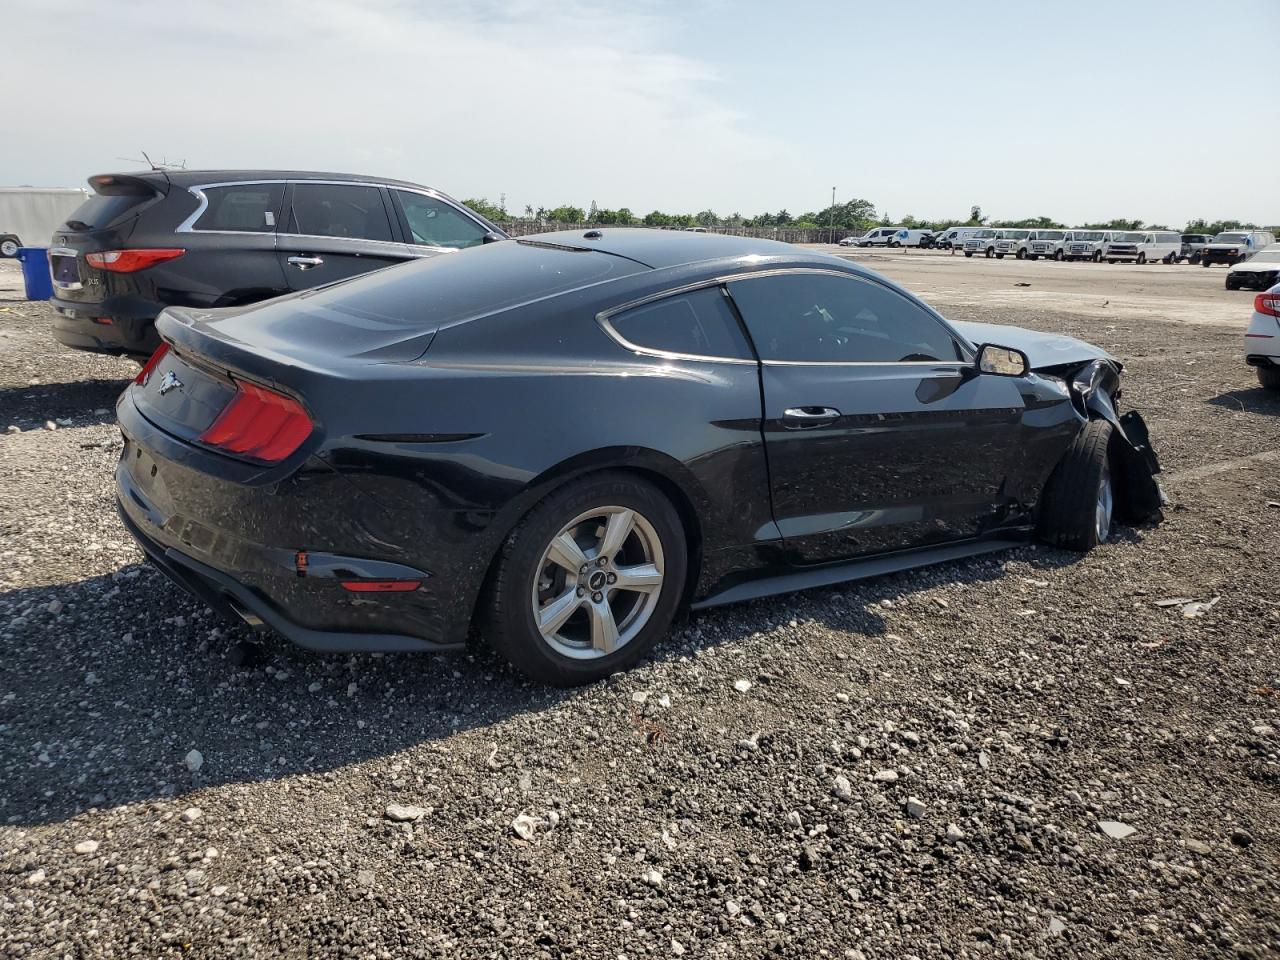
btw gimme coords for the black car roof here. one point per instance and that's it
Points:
(663, 249)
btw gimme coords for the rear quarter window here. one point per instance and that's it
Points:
(699, 323)
(243, 208)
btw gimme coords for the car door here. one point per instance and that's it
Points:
(337, 230)
(880, 434)
(432, 226)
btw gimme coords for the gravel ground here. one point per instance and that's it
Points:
(1029, 754)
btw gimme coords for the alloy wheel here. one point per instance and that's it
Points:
(1106, 501)
(598, 582)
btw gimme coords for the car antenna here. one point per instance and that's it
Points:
(163, 164)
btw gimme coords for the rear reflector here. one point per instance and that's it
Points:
(1268, 303)
(259, 423)
(103, 321)
(145, 373)
(381, 586)
(128, 261)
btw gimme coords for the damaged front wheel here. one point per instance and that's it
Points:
(1078, 505)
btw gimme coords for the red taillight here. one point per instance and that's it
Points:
(1268, 303)
(259, 423)
(127, 261)
(145, 373)
(381, 586)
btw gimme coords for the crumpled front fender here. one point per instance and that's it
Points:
(1139, 495)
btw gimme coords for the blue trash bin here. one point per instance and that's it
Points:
(35, 272)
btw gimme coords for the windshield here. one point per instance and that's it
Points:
(1230, 238)
(1015, 234)
(1131, 237)
(984, 234)
(1095, 235)
(1049, 235)
(1267, 256)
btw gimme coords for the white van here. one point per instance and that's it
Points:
(1233, 246)
(954, 237)
(1012, 243)
(879, 237)
(1144, 246)
(1088, 244)
(981, 241)
(1046, 243)
(910, 238)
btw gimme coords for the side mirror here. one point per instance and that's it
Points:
(1002, 361)
(493, 237)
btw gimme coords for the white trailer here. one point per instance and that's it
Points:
(30, 215)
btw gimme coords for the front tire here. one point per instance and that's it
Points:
(1269, 377)
(589, 581)
(1059, 255)
(1077, 508)
(1142, 258)
(968, 253)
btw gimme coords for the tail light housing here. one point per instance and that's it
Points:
(260, 424)
(1268, 303)
(145, 373)
(130, 261)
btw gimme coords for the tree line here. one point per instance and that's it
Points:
(855, 215)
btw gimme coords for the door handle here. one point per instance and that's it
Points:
(811, 413)
(802, 417)
(305, 263)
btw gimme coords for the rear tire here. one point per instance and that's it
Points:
(1078, 504)
(1269, 377)
(589, 630)
(9, 247)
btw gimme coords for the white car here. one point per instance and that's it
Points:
(1259, 272)
(1262, 342)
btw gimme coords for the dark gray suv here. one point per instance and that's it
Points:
(218, 238)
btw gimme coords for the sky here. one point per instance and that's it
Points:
(1082, 111)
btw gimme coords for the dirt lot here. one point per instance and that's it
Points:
(1032, 754)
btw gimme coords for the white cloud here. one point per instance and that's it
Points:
(549, 103)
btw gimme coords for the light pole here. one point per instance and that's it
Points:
(831, 220)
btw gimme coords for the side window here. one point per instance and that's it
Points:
(434, 223)
(247, 208)
(827, 318)
(339, 210)
(699, 323)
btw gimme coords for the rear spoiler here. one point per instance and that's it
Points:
(128, 185)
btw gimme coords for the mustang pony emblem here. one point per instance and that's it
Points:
(169, 382)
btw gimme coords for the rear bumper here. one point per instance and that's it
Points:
(241, 603)
(233, 543)
(131, 330)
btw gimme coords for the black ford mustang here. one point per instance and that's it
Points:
(564, 439)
